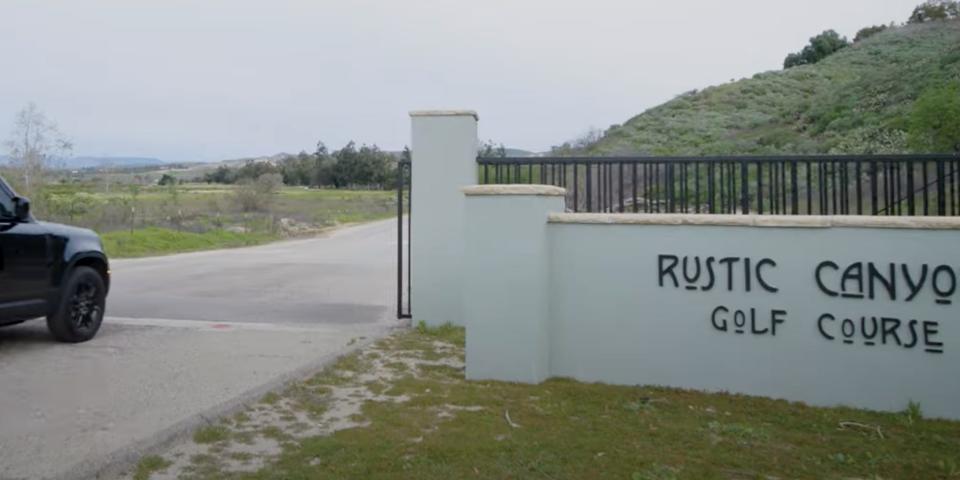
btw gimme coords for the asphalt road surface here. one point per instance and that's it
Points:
(187, 337)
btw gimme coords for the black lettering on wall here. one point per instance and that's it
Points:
(913, 335)
(722, 325)
(890, 327)
(763, 283)
(777, 317)
(914, 287)
(941, 272)
(664, 271)
(691, 279)
(739, 321)
(848, 332)
(869, 333)
(889, 282)
(746, 274)
(818, 274)
(825, 316)
(728, 262)
(710, 274)
(929, 330)
(854, 272)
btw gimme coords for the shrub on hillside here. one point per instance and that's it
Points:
(935, 120)
(820, 47)
(868, 32)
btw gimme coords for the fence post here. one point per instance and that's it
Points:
(444, 159)
(506, 299)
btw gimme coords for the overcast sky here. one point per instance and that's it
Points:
(207, 80)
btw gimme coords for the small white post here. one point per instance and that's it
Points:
(444, 149)
(506, 296)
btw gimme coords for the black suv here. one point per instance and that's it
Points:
(50, 270)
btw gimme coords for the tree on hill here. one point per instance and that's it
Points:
(34, 144)
(935, 120)
(934, 10)
(820, 47)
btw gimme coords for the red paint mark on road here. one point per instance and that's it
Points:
(220, 326)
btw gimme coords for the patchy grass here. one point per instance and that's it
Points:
(163, 241)
(402, 409)
(211, 434)
(149, 465)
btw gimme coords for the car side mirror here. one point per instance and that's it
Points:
(21, 209)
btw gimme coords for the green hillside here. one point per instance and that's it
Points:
(858, 100)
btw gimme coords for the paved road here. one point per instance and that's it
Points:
(188, 335)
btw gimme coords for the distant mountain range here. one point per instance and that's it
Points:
(78, 163)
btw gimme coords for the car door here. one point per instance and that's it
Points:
(24, 262)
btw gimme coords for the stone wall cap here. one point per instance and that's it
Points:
(520, 189)
(776, 221)
(445, 113)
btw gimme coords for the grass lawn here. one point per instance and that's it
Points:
(162, 241)
(401, 409)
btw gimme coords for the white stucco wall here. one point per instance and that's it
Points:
(611, 321)
(515, 247)
(607, 318)
(444, 149)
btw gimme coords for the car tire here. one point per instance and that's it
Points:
(82, 305)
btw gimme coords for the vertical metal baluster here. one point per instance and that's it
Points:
(844, 201)
(888, 189)
(821, 187)
(926, 194)
(723, 189)
(620, 183)
(897, 189)
(696, 187)
(646, 187)
(911, 204)
(794, 194)
(874, 196)
(576, 188)
(941, 189)
(744, 188)
(772, 189)
(809, 188)
(783, 186)
(486, 173)
(833, 185)
(711, 170)
(656, 187)
(759, 187)
(588, 185)
(683, 187)
(610, 193)
(859, 174)
(633, 171)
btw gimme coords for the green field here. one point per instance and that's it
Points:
(156, 220)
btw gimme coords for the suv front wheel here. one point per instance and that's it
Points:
(81, 308)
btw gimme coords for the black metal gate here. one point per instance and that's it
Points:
(404, 175)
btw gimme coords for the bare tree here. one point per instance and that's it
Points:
(35, 143)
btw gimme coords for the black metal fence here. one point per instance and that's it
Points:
(779, 185)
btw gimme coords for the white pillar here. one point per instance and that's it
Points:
(506, 299)
(444, 149)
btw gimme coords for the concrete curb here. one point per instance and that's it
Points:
(121, 462)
